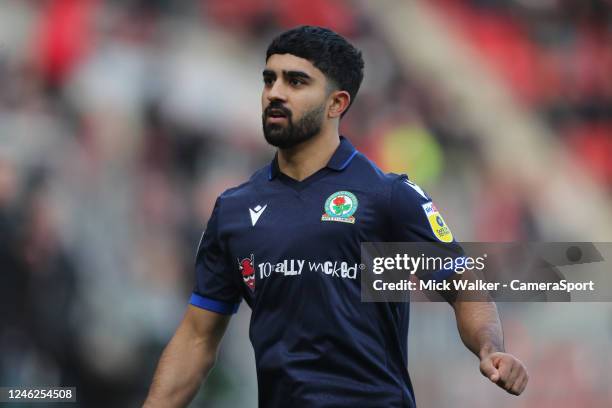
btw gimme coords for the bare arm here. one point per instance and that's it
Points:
(187, 359)
(479, 327)
(481, 332)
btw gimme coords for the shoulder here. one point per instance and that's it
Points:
(401, 196)
(247, 188)
(364, 174)
(407, 190)
(367, 174)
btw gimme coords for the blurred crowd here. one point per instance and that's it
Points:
(556, 56)
(121, 121)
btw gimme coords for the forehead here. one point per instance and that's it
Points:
(288, 62)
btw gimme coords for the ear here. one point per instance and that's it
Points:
(339, 103)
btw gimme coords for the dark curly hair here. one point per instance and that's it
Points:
(332, 54)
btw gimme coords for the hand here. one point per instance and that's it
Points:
(506, 371)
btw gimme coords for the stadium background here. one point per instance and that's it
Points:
(121, 121)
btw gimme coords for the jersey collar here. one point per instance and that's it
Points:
(339, 161)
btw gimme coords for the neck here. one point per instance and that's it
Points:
(308, 157)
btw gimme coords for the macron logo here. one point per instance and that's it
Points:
(256, 213)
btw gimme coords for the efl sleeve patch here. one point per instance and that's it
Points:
(436, 222)
(408, 201)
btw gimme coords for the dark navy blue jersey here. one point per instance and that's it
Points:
(291, 250)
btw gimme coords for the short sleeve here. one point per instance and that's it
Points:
(415, 218)
(216, 288)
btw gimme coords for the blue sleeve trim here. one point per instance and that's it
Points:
(225, 308)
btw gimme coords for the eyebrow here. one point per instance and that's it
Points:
(288, 74)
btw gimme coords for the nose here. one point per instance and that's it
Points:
(277, 92)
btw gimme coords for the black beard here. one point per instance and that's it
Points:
(285, 137)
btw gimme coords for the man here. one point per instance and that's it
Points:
(288, 242)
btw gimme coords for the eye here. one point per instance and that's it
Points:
(295, 82)
(268, 81)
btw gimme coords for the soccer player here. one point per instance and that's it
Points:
(288, 242)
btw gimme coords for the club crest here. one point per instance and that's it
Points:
(340, 207)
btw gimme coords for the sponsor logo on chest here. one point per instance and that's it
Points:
(293, 267)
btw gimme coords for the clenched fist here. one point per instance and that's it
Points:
(506, 371)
